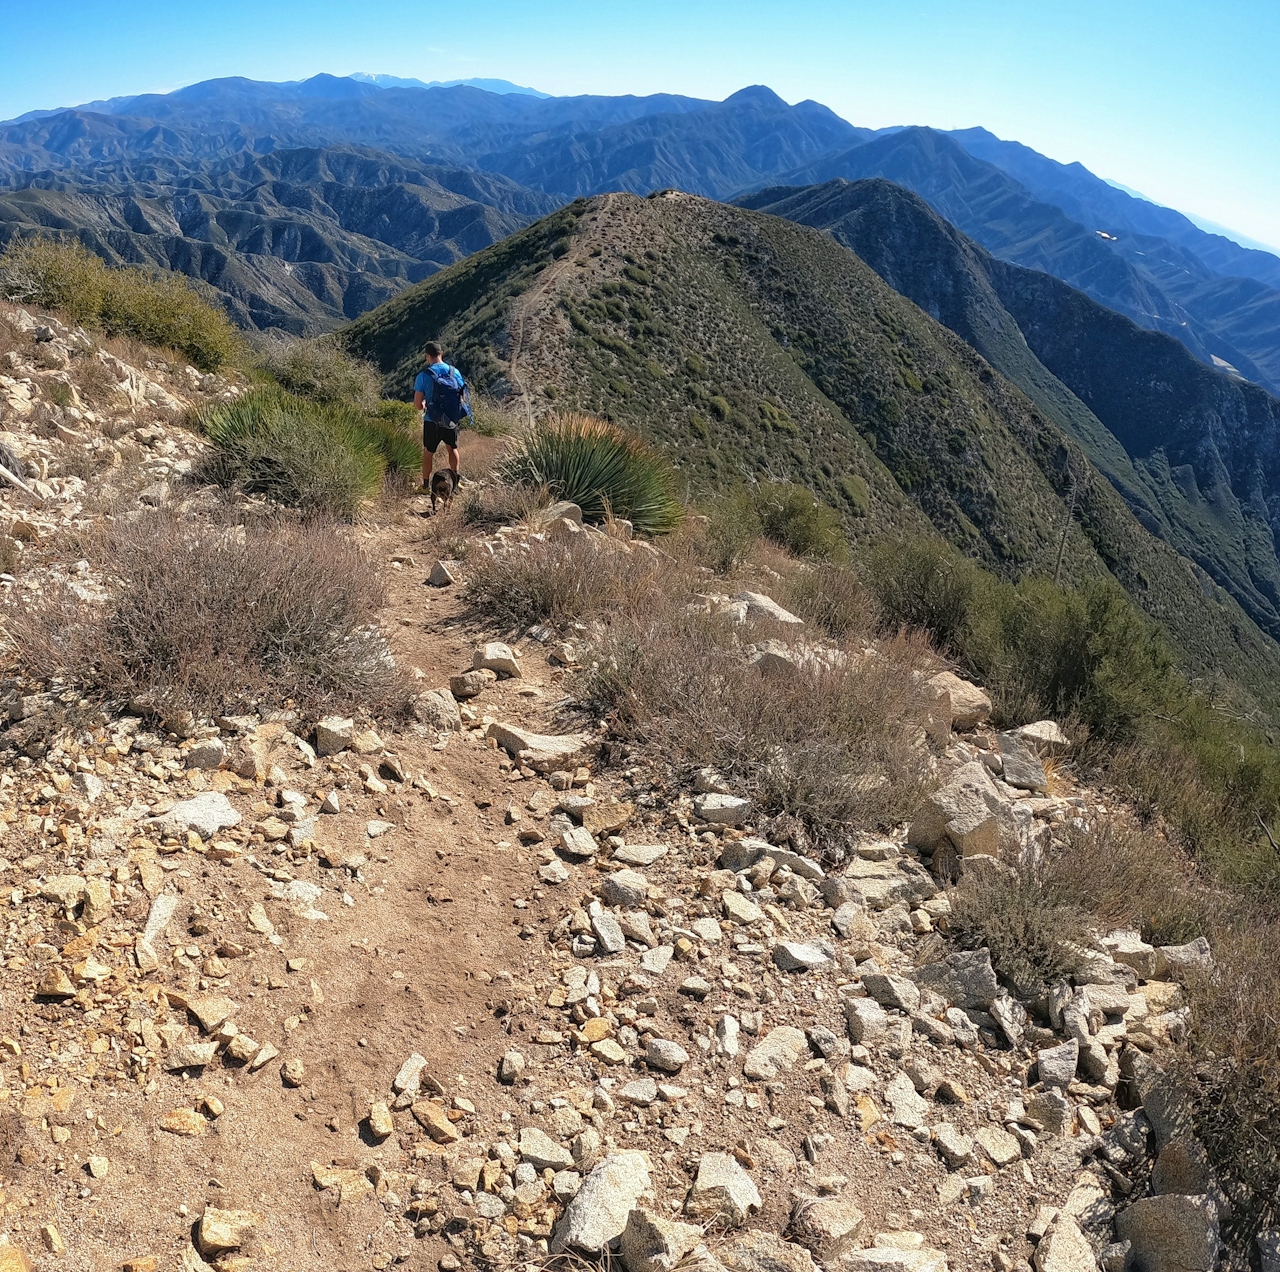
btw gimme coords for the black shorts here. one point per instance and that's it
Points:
(434, 432)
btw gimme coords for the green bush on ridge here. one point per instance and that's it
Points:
(161, 309)
(315, 456)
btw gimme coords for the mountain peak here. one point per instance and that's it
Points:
(760, 93)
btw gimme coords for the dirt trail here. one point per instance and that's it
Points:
(524, 318)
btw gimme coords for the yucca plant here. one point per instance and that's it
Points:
(304, 454)
(606, 470)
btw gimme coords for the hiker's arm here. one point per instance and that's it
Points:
(419, 401)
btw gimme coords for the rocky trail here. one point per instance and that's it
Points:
(294, 994)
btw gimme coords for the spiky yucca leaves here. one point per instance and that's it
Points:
(316, 456)
(604, 469)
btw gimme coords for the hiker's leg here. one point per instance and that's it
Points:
(426, 466)
(452, 452)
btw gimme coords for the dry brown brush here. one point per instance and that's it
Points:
(216, 618)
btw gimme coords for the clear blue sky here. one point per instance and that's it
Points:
(1177, 98)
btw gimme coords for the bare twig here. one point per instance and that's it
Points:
(14, 480)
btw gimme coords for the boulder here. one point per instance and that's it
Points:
(802, 956)
(470, 684)
(970, 706)
(892, 991)
(1183, 961)
(1021, 767)
(542, 1152)
(438, 710)
(894, 1258)
(866, 1020)
(1171, 1233)
(760, 606)
(599, 1211)
(545, 752)
(954, 1147)
(722, 810)
(207, 754)
(443, 574)
(963, 810)
(223, 1230)
(1044, 736)
(776, 1052)
(334, 734)
(757, 1251)
(1064, 1248)
(908, 1107)
(722, 1191)
(651, 1242)
(1131, 950)
(665, 1055)
(965, 979)
(626, 888)
(206, 814)
(827, 1226)
(1057, 1065)
(497, 657)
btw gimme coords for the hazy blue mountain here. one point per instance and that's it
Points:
(714, 151)
(1154, 281)
(488, 85)
(1100, 205)
(1152, 264)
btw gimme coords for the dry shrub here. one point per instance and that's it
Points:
(833, 597)
(1026, 917)
(479, 452)
(1232, 1073)
(837, 746)
(217, 618)
(489, 505)
(565, 582)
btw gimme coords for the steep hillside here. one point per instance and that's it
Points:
(1192, 451)
(749, 346)
(299, 240)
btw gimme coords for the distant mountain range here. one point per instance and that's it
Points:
(1154, 265)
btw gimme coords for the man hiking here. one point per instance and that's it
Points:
(441, 394)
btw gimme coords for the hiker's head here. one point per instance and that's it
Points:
(432, 350)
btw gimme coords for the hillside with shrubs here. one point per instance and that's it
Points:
(715, 845)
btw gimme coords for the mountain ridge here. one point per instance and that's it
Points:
(750, 347)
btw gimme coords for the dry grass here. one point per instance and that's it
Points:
(215, 618)
(562, 583)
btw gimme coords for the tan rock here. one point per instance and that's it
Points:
(13, 1259)
(222, 1230)
(381, 1123)
(183, 1122)
(970, 705)
(435, 1121)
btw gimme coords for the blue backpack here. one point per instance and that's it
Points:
(447, 388)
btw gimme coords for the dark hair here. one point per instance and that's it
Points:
(431, 349)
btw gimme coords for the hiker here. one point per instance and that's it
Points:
(441, 394)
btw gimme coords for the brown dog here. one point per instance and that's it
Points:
(444, 481)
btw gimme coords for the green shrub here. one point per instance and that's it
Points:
(323, 371)
(1043, 650)
(602, 468)
(159, 309)
(322, 458)
(796, 519)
